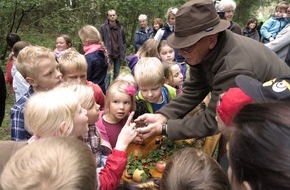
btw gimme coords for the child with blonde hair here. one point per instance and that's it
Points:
(52, 163)
(153, 93)
(120, 102)
(73, 66)
(173, 76)
(127, 77)
(95, 53)
(59, 113)
(39, 68)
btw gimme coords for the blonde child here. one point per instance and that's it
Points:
(153, 93)
(120, 101)
(58, 113)
(53, 163)
(39, 68)
(73, 66)
(93, 138)
(96, 56)
(173, 76)
(127, 77)
(190, 168)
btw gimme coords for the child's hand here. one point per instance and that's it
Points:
(127, 134)
(138, 140)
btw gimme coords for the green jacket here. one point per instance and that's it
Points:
(143, 106)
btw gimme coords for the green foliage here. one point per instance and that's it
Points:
(46, 19)
(247, 9)
(163, 152)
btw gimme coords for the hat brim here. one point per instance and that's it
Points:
(250, 86)
(186, 41)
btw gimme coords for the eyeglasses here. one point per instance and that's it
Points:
(186, 50)
(189, 48)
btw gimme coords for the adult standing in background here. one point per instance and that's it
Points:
(226, 10)
(156, 25)
(251, 29)
(142, 33)
(168, 27)
(114, 37)
(215, 56)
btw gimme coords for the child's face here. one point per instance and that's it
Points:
(48, 75)
(120, 106)
(177, 76)
(72, 75)
(171, 19)
(61, 44)
(80, 122)
(166, 53)
(152, 94)
(93, 113)
(281, 13)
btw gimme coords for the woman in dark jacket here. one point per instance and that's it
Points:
(251, 29)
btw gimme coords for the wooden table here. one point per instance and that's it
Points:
(143, 150)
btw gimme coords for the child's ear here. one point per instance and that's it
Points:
(62, 128)
(31, 81)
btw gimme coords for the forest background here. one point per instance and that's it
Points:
(41, 21)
